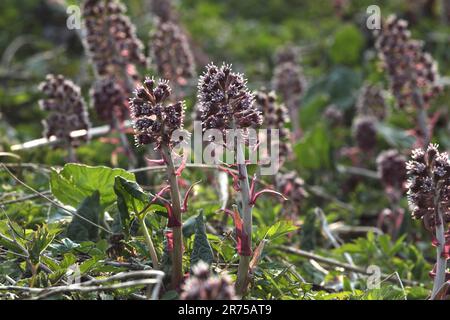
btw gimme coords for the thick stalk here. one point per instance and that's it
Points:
(441, 261)
(246, 213)
(149, 242)
(177, 259)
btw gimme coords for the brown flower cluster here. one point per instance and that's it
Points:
(107, 96)
(111, 38)
(275, 116)
(429, 185)
(204, 286)
(288, 80)
(171, 53)
(115, 51)
(154, 119)
(67, 109)
(333, 115)
(412, 72)
(391, 167)
(371, 102)
(225, 102)
(365, 133)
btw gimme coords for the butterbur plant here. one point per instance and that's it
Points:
(371, 102)
(107, 98)
(429, 200)
(365, 133)
(413, 73)
(202, 285)
(67, 112)
(111, 39)
(392, 170)
(154, 120)
(289, 82)
(275, 116)
(171, 53)
(226, 103)
(115, 51)
(391, 167)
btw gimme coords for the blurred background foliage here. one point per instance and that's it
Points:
(336, 46)
(337, 58)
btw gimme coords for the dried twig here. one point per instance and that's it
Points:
(147, 277)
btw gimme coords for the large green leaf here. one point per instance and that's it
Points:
(202, 249)
(75, 182)
(279, 229)
(131, 199)
(81, 230)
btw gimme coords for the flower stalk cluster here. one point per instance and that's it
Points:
(333, 115)
(164, 10)
(429, 200)
(391, 167)
(412, 72)
(107, 98)
(371, 102)
(171, 53)
(203, 286)
(365, 133)
(226, 103)
(289, 83)
(115, 51)
(275, 116)
(111, 38)
(67, 109)
(154, 118)
(154, 121)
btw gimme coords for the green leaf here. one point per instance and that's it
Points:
(279, 229)
(88, 265)
(66, 245)
(75, 182)
(189, 226)
(81, 230)
(41, 239)
(202, 249)
(130, 199)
